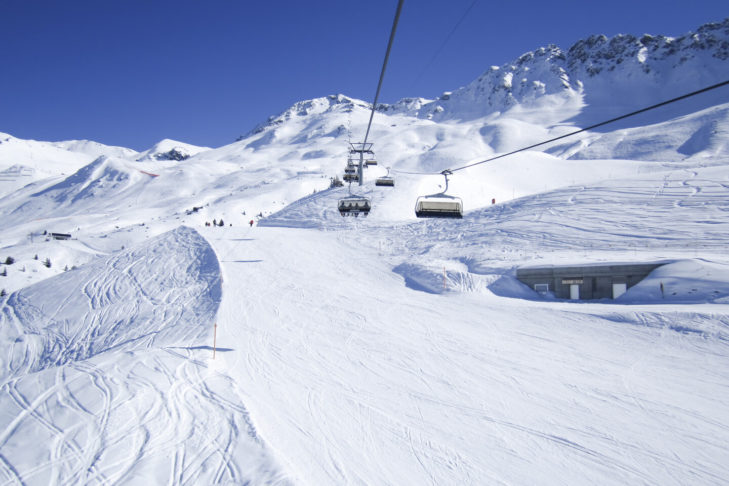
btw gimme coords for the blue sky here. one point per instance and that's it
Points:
(132, 72)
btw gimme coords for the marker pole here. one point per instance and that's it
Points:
(215, 338)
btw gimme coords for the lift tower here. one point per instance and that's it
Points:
(360, 148)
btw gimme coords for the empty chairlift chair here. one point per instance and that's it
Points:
(439, 205)
(386, 180)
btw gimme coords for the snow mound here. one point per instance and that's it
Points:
(161, 293)
(441, 276)
(102, 367)
(685, 281)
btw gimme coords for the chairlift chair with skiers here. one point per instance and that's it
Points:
(354, 205)
(351, 174)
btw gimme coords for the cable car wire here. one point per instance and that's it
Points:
(612, 120)
(384, 66)
(596, 125)
(448, 37)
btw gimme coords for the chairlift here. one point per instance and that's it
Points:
(439, 205)
(370, 162)
(387, 180)
(354, 206)
(351, 174)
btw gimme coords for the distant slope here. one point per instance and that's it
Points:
(170, 150)
(26, 161)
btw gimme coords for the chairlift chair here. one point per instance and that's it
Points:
(439, 205)
(350, 173)
(354, 206)
(386, 180)
(370, 162)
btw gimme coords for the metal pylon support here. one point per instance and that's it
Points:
(360, 148)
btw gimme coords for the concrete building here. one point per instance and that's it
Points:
(585, 282)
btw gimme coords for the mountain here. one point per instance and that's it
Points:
(170, 150)
(608, 77)
(25, 161)
(551, 91)
(288, 345)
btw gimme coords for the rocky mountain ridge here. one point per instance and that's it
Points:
(607, 74)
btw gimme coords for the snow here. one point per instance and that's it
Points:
(162, 151)
(105, 366)
(386, 349)
(359, 376)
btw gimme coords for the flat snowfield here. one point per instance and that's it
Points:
(353, 377)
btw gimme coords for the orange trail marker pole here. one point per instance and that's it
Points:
(215, 338)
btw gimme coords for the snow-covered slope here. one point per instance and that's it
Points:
(26, 161)
(102, 366)
(385, 350)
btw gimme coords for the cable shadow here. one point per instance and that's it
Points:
(206, 348)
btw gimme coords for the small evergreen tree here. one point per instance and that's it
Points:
(221, 223)
(47, 262)
(9, 260)
(4, 273)
(35, 257)
(3, 293)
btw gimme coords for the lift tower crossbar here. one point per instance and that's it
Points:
(360, 148)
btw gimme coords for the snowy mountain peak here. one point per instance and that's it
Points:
(599, 53)
(170, 150)
(622, 71)
(317, 106)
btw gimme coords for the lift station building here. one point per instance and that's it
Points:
(585, 282)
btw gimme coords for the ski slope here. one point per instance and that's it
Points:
(103, 368)
(307, 348)
(368, 368)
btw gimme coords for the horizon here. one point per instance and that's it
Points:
(134, 74)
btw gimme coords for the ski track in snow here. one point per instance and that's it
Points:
(383, 350)
(381, 384)
(108, 376)
(354, 377)
(342, 359)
